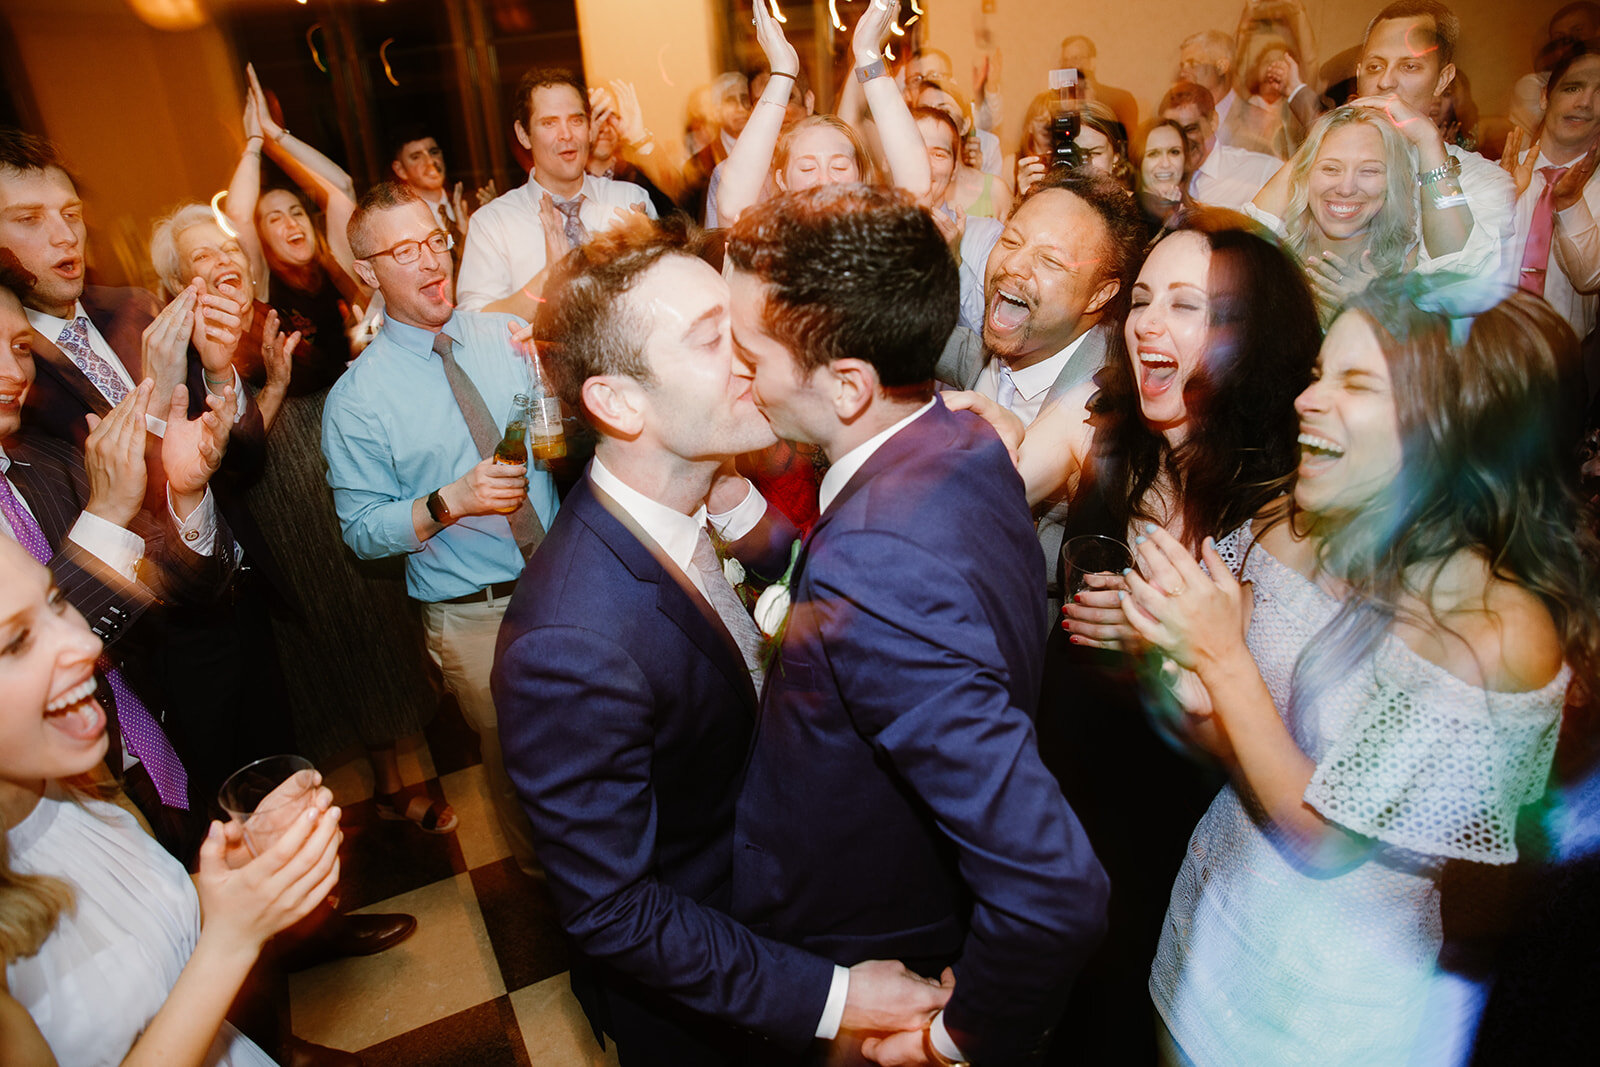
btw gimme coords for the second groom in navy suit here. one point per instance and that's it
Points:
(895, 804)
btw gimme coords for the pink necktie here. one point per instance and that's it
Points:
(139, 728)
(1541, 231)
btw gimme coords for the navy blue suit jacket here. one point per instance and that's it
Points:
(625, 716)
(895, 805)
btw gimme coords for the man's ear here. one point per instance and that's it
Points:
(522, 135)
(368, 276)
(399, 173)
(1448, 75)
(617, 403)
(1102, 296)
(852, 384)
(811, 102)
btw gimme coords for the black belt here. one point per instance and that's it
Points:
(484, 595)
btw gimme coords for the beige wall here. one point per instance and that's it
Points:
(664, 47)
(146, 118)
(1138, 40)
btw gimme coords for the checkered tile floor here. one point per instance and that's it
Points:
(483, 980)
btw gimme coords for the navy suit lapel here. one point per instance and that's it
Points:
(676, 596)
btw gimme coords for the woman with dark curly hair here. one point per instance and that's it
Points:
(1382, 659)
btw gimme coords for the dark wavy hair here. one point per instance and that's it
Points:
(1487, 464)
(1242, 424)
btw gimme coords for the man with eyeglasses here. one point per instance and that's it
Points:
(409, 434)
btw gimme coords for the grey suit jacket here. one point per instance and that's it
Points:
(963, 359)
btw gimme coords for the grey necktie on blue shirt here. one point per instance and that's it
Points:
(525, 525)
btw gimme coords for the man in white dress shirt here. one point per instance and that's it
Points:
(1224, 176)
(516, 236)
(1206, 60)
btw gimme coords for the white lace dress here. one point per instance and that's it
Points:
(1263, 962)
(107, 967)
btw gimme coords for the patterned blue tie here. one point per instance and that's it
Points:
(139, 728)
(74, 341)
(574, 228)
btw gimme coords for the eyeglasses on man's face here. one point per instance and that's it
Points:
(407, 252)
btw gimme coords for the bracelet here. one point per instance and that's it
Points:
(875, 69)
(216, 381)
(1450, 166)
(1445, 203)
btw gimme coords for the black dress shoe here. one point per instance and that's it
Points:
(297, 1052)
(350, 935)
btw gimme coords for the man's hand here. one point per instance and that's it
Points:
(113, 456)
(486, 193)
(489, 488)
(630, 116)
(556, 245)
(950, 228)
(192, 449)
(885, 996)
(633, 221)
(165, 345)
(458, 205)
(1415, 127)
(218, 328)
(1569, 190)
(1521, 170)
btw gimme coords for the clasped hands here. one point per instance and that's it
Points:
(893, 1005)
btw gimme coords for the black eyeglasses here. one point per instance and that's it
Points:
(408, 252)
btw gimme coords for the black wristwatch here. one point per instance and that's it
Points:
(438, 509)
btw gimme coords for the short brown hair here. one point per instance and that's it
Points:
(1446, 24)
(538, 78)
(385, 196)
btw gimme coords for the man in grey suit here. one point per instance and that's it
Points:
(1050, 294)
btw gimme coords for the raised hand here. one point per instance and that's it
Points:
(1030, 169)
(244, 905)
(1335, 281)
(1196, 619)
(486, 193)
(113, 457)
(192, 449)
(781, 56)
(164, 348)
(1569, 190)
(872, 30)
(458, 205)
(218, 328)
(1007, 426)
(630, 116)
(951, 222)
(269, 125)
(277, 352)
(556, 245)
(1414, 126)
(252, 116)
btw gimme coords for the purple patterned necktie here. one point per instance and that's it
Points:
(574, 228)
(139, 728)
(74, 341)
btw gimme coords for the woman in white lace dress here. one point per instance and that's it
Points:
(106, 958)
(1385, 685)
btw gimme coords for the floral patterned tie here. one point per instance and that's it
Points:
(74, 341)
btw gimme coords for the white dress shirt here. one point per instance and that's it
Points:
(505, 243)
(1572, 275)
(675, 533)
(1231, 177)
(1032, 383)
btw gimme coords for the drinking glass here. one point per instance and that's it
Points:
(1091, 554)
(267, 796)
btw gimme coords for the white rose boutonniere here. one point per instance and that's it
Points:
(772, 610)
(733, 570)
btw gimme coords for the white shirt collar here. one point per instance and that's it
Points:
(50, 326)
(1037, 379)
(675, 532)
(536, 189)
(845, 467)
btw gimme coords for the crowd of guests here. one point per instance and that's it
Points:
(788, 681)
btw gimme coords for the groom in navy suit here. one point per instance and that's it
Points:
(894, 804)
(626, 679)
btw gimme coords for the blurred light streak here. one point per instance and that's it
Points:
(383, 55)
(316, 57)
(833, 12)
(221, 217)
(661, 64)
(776, 14)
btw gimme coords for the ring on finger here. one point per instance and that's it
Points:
(1176, 592)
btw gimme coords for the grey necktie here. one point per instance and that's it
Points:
(576, 234)
(741, 627)
(525, 525)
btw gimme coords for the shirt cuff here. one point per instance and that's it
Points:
(744, 516)
(941, 1040)
(833, 1011)
(199, 531)
(112, 545)
(156, 426)
(240, 397)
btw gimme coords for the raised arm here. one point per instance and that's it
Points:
(902, 143)
(1446, 215)
(244, 190)
(658, 162)
(744, 174)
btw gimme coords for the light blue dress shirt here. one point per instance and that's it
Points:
(392, 434)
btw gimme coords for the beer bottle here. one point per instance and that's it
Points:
(546, 439)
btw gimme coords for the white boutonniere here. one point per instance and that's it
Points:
(733, 570)
(773, 608)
